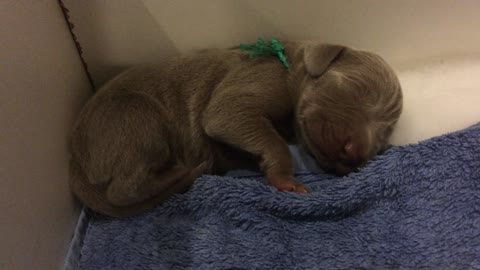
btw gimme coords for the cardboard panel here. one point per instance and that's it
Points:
(42, 87)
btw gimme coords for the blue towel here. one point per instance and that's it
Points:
(414, 207)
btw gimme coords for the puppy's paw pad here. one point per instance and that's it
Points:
(288, 184)
(302, 189)
(287, 187)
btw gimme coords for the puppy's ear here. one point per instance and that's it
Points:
(317, 57)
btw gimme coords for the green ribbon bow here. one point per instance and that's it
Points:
(275, 47)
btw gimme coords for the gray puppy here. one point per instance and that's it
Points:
(149, 132)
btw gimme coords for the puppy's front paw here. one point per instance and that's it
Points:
(288, 184)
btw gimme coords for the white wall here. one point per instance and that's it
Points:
(42, 86)
(440, 97)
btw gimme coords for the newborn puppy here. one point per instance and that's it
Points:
(149, 132)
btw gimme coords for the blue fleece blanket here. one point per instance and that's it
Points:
(415, 207)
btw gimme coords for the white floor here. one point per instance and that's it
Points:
(438, 98)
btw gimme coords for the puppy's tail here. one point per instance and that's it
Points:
(178, 180)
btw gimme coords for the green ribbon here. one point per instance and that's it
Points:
(275, 47)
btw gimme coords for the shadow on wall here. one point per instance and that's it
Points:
(116, 35)
(212, 23)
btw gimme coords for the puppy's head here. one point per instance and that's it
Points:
(349, 103)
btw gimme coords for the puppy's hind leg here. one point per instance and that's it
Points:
(127, 140)
(151, 189)
(143, 184)
(143, 166)
(176, 180)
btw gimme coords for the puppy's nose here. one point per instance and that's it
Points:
(349, 149)
(352, 154)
